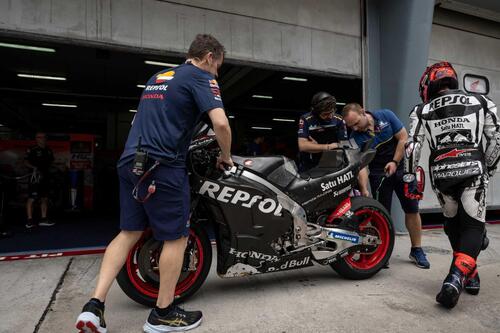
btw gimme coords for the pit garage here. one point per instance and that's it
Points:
(84, 98)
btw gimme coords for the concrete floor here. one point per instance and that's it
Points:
(46, 296)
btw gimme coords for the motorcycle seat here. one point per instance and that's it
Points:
(331, 162)
(278, 169)
(264, 165)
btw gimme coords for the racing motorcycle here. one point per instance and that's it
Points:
(267, 217)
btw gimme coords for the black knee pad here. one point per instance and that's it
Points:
(472, 234)
(451, 225)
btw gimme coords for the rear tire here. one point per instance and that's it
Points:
(139, 277)
(357, 266)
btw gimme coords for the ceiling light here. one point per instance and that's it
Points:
(262, 96)
(28, 47)
(262, 128)
(158, 63)
(132, 110)
(291, 78)
(231, 117)
(340, 103)
(60, 105)
(43, 77)
(142, 86)
(283, 119)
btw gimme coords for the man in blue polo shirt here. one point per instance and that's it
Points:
(171, 105)
(385, 170)
(319, 130)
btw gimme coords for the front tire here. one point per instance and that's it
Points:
(376, 221)
(139, 277)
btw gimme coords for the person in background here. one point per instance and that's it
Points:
(320, 130)
(385, 170)
(39, 159)
(255, 147)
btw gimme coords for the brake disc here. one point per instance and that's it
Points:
(148, 260)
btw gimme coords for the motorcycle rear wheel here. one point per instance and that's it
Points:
(377, 221)
(139, 277)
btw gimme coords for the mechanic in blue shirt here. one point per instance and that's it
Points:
(385, 170)
(172, 103)
(319, 130)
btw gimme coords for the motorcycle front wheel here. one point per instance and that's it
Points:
(376, 221)
(139, 278)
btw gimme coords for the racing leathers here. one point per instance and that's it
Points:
(463, 133)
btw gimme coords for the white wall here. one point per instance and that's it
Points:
(322, 35)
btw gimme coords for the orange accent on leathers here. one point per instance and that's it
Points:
(466, 264)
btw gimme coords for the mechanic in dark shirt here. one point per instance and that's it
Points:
(172, 104)
(38, 158)
(319, 130)
(386, 170)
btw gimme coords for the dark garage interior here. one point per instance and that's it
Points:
(72, 91)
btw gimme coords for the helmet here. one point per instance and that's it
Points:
(435, 77)
(322, 101)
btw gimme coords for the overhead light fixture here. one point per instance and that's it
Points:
(132, 110)
(340, 103)
(142, 86)
(42, 77)
(158, 63)
(28, 47)
(60, 105)
(262, 128)
(285, 120)
(292, 78)
(231, 117)
(262, 96)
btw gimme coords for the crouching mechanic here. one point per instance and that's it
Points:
(388, 136)
(171, 105)
(319, 130)
(454, 123)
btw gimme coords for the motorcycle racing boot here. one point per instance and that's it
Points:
(91, 320)
(454, 282)
(473, 283)
(176, 320)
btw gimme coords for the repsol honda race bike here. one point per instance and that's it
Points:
(267, 218)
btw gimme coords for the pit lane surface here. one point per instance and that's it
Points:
(46, 296)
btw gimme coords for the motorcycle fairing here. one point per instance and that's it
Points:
(249, 216)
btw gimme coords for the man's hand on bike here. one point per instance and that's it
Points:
(224, 163)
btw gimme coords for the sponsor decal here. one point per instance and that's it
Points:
(330, 260)
(228, 194)
(460, 165)
(253, 255)
(338, 181)
(450, 100)
(453, 154)
(455, 136)
(49, 255)
(382, 124)
(162, 77)
(457, 173)
(342, 209)
(344, 237)
(294, 263)
(214, 87)
(156, 87)
(452, 123)
(152, 96)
